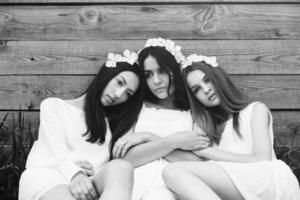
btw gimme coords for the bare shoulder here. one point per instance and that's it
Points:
(260, 108)
(260, 112)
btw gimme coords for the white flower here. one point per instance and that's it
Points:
(129, 57)
(169, 45)
(199, 58)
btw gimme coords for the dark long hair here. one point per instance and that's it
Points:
(120, 117)
(167, 62)
(232, 101)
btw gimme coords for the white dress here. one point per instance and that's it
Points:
(148, 182)
(60, 143)
(265, 180)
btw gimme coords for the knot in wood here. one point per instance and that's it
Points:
(89, 16)
(3, 44)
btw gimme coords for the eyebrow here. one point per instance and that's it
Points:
(205, 76)
(194, 86)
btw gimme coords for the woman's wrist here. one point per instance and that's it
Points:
(203, 152)
(79, 173)
(152, 137)
(173, 141)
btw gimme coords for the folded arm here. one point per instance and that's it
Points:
(261, 147)
(174, 147)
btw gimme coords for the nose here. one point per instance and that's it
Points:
(206, 88)
(156, 79)
(119, 92)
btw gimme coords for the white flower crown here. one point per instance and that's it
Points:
(169, 45)
(199, 58)
(129, 57)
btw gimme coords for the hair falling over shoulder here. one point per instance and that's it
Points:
(120, 117)
(212, 120)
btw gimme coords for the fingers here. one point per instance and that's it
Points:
(203, 138)
(90, 172)
(125, 148)
(86, 166)
(84, 190)
(77, 193)
(120, 146)
(88, 190)
(200, 145)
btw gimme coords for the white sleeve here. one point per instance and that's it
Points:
(51, 144)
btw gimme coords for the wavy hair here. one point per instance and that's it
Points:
(232, 101)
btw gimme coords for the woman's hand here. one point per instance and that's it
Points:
(127, 141)
(82, 187)
(86, 166)
(191, 141)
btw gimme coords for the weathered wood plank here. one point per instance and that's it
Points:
(148, 1)
(279, 92)
(85, 57)
(28, 91)
(284, 123)
(194, 21)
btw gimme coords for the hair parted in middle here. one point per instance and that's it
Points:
(212, 119)
(120, 117)
(167, 62)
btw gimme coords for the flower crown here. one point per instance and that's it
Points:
(169, 45)
(129, 57)
(199, 58)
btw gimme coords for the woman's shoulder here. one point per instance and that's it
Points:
(255, 107)
(51, 102)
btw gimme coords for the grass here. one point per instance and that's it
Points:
(290, 153)
(16, 139)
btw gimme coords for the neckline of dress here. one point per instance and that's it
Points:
(148, 106)
(72, 105)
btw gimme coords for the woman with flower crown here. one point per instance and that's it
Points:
(164, 128)
(242, 163)
(86, 128)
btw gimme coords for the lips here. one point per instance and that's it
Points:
(110, 99)
(212, 97)
(160, 89)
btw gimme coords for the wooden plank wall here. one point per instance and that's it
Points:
(54, 47)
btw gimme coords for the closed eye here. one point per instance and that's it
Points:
(195, 89)
(148, 74)
(206, 79)
(162, 70)
(120, 82)
(129, 94)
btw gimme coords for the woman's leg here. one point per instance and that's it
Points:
(115, 181)
(200, 180)
(60, 192)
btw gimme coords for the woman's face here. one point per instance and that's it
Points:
(120, 88)
(157, 78)
(202, 88)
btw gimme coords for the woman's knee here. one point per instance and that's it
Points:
(171, 172)
(120, 166)
(60, 192)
